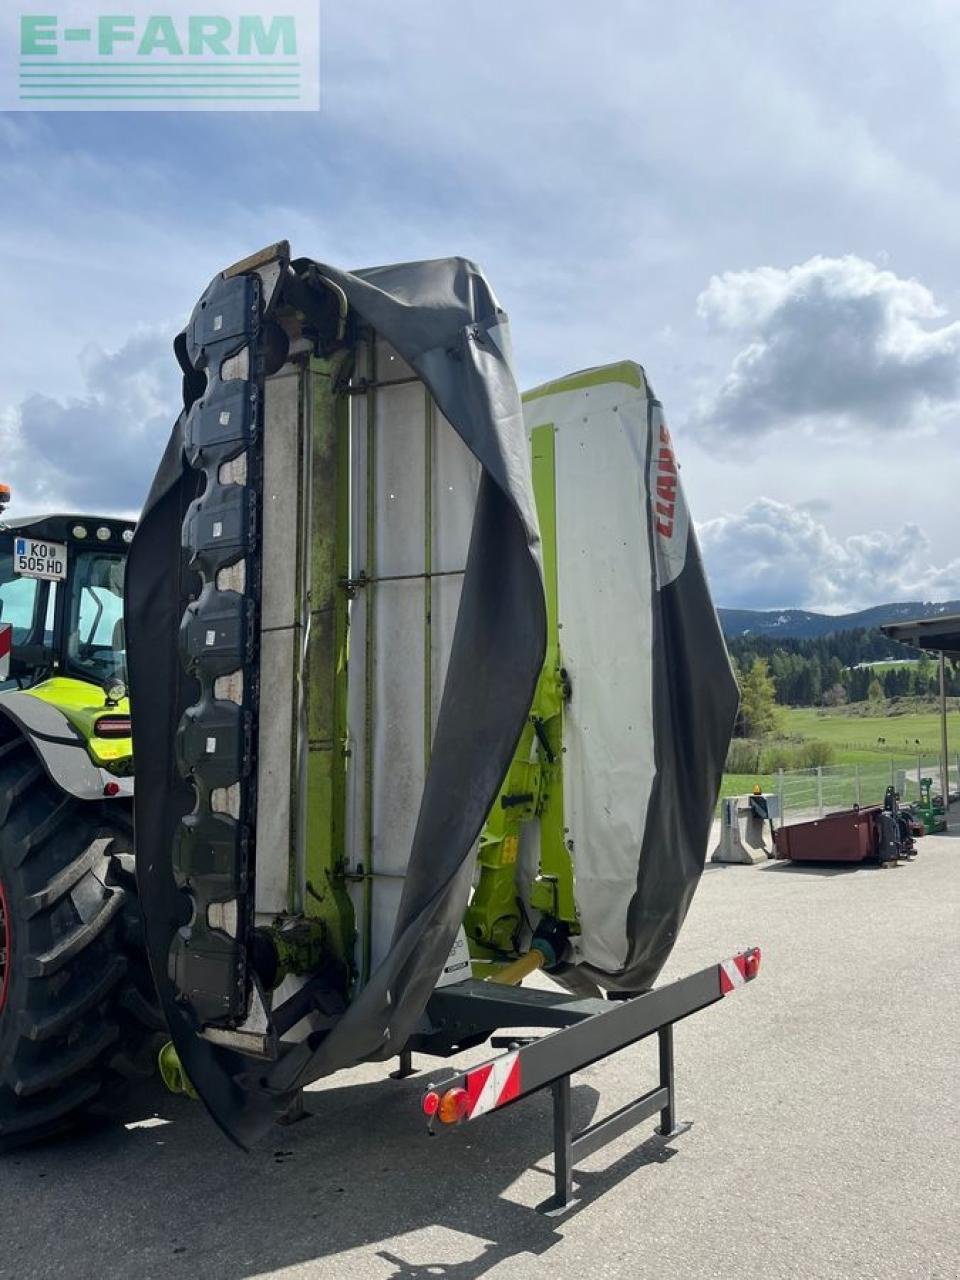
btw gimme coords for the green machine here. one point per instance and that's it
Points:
(77, 1011)
(429, 693)
(591, 850)
(497, 921)
(929, 809)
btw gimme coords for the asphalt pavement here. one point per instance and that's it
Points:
(825, 1100)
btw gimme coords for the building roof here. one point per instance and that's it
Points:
(940, 634)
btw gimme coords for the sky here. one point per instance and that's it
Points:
(760, 204)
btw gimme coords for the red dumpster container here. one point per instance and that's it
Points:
(847, 836)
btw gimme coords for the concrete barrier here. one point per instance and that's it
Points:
(744, 837)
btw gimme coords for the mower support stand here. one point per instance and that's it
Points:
(586, 1030)
(569, 1146)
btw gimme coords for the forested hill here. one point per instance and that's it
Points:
(832, 669)
(800, 624)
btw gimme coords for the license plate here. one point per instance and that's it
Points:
(35, 559)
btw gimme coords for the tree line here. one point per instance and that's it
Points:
(828, 670)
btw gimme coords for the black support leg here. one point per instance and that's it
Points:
(405, 1066)
(668, 1116)
(562, 1148)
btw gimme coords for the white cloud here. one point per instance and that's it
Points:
(95, 452)
(773, 555)
(600, 178)
(830, 344)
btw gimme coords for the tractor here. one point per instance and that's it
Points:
(77, 1010)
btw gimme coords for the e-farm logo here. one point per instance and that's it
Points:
(104, 56)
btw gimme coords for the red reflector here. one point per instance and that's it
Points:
(431, 1101)
(751, 965)
(112, 727)
(454, 1105)
(111, 788)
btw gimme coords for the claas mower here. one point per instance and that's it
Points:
(428, 693)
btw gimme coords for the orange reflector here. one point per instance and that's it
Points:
(431, 1101)
(454, 1105)
(751, 963)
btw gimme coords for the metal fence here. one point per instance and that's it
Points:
(814, 792)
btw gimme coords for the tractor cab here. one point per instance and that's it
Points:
(61, 625)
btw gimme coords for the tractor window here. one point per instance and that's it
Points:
(18, 600)
(95, 641)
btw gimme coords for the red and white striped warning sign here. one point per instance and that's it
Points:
(738, 970)
(493, 1084)
(6, 644)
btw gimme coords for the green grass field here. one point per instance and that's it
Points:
(855, 739)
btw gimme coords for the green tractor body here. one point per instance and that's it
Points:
(930, 808)
(76, 1003)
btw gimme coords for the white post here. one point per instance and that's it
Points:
(820, 790)
(856, 784)
(780, 792)
(944, 758)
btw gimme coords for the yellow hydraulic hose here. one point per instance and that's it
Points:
(513, 974)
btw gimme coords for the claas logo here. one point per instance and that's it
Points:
(666, 504)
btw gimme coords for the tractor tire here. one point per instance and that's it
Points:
(78, 1014)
